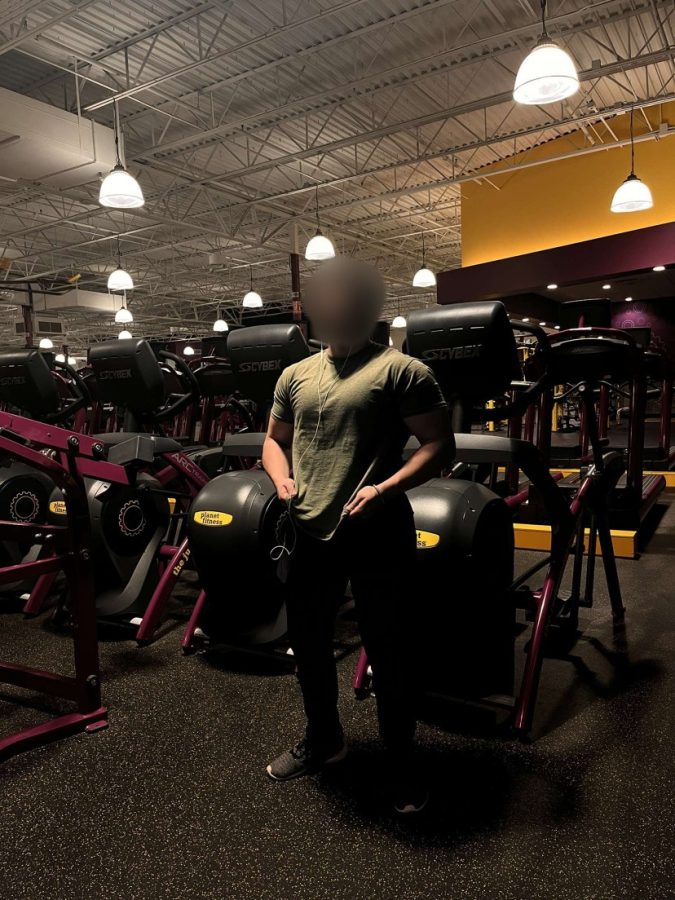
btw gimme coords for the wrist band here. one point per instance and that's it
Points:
(377, 491)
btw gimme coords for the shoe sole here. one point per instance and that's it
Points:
(413, 811)
(339, 757)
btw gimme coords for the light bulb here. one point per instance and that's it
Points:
(120, 280)
(46, 344)
(606, 287)
(659, 269)
(220, 325)
(399, 321)
(629, 299)
(424, 278)
(124, 335)
(252, 300)
(120, 190)
(319, 247)
(632, 195)
(59, 358)
(123, 316)
(546, 75)
(552, 286)
(188, 351)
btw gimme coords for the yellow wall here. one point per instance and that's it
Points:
(565, 201)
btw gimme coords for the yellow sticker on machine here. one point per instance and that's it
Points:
(58, 507)
(212, 517)
(427, 539)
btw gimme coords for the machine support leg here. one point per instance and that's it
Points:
(187, 642)
(609, 563)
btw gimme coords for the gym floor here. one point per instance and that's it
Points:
(172, 802)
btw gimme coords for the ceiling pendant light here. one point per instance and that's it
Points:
(252, 300)
(220, 325)
(423, 278)
(188, 351)
(124, 335)
(632, 195)
(119, 189)
(46, 344)
(59, 358)
(399, 321)
(319, 247)
(547, 74)
(120, 279)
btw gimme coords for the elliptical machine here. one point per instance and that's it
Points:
(27, 495)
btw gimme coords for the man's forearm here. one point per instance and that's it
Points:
(426, 462)
(275, 460)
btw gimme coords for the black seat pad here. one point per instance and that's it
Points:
(161, 444)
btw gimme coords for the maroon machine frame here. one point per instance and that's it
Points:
(67, 549)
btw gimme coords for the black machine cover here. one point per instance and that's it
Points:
(259, 354)
(232, 528)
(470, 348)
(128, 374)
(26, 381)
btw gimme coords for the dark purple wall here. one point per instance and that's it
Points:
(659, 315)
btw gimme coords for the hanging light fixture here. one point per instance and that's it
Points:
(632, 195)
(120, 279)
(399, 321)
(46, 344)
(319, 247)
(119, 189)
(252, 300)
(124, 335)
(188, 351)
(220, 325)
(547, 74)
(72, 361)
(423, 277)
(59, 358)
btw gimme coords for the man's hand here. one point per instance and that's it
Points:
(286, 489)
(365, 501)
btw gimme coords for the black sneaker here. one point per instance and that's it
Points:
(303, 759)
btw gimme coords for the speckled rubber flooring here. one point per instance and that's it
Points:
(171, 801)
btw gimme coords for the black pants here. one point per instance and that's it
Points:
(377, 554)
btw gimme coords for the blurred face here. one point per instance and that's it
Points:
(344, 301)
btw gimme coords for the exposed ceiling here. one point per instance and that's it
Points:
(236, 113)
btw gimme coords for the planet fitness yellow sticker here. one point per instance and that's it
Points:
(212, 518)
(427, 539)
(58, 507)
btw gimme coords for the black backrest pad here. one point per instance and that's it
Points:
(26, 381)
(128, 374)
(470, 347)
(260, 353)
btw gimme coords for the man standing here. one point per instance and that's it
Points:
(333, 449)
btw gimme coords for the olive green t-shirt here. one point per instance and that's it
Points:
(348, 424)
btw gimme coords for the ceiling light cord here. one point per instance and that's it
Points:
(544, 33)
(116, 124)
(632, 143)
(318, 224)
